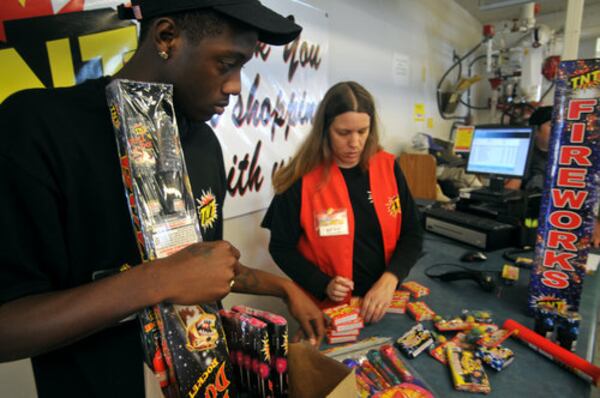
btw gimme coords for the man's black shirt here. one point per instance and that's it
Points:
(64, 212)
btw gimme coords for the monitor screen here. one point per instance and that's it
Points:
(500, 150)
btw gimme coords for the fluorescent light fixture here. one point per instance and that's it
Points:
(486, 5)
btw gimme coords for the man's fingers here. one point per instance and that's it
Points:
(308, 331)
(298, 336)
(319, 327)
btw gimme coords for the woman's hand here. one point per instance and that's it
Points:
(338, 288)
(379, 297)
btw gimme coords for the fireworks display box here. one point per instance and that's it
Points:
(571, 189)
(183, 345)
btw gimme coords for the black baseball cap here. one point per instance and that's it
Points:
(540, 116)
(272, 28)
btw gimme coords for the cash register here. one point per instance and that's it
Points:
(488, 217)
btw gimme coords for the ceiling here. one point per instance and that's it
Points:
(508, 9)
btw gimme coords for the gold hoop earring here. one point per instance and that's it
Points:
(163, 54)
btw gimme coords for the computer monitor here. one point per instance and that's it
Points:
(500, 152)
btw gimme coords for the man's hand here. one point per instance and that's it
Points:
(338, 288)
(379, 297)
(307, 313)
(200, 273)
(596, 234)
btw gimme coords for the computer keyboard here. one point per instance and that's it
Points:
(467, 219)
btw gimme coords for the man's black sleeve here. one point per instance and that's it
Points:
(410, 244)
(283, 219)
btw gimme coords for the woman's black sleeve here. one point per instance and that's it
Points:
(283, 219)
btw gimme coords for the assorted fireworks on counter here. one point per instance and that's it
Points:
(496, 358)
(183, 345)
(382, 373)
(570, 194)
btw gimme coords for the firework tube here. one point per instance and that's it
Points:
(389, 355)
(363, 383)
(385, 371)
(577, 365)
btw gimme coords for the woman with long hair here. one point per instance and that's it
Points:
(343, 222)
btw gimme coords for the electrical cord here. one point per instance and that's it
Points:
(514, 257)
(484, 279)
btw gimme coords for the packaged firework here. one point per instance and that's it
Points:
(261, 359)
(496, 358)
(334, 333)
(570, 195)
(494, 339)
(399, 301)
(278, 344)
(545, 321)
(467, 371)
(332, 339)
(567, 330)
(416, 289)
(451, 325)
(164, 219)
(232, 328)
(420, 311)
(477, 316)
(356, 324)
(373, 374)
(391, 357)
(510, 274)
(439, 352)
(341, 314)
(404, 390)
(375, 357)
(414, 341)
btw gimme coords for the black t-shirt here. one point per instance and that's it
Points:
(283, 219)
(64, 214)
(534, 181)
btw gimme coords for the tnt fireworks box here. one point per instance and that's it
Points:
(183, 345)
(571, 192)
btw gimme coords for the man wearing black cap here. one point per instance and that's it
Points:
(541, 120)
(65, 218)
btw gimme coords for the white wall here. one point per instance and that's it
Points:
(364, 36)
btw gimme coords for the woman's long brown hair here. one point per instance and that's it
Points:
(316, 149)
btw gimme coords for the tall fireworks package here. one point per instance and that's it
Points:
(571, 192)
(184, 345)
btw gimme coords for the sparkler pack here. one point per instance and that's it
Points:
(184, 345)
(571, 192)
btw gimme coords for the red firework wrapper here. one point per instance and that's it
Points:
(494, 339)
(415, 288)
(570, 193)
(467, 371)
(278, 344)
(420, 311)
(341, 314)
(399, 302)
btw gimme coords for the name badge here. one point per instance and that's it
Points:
(333, 222)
